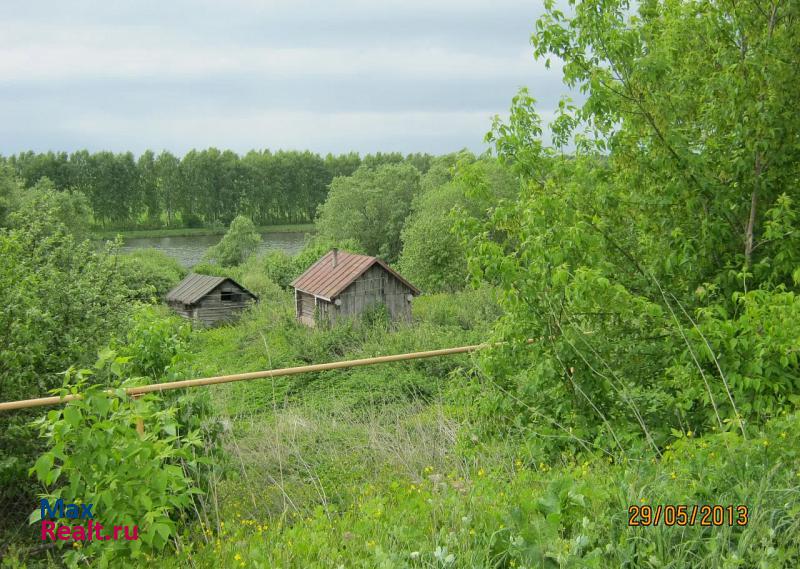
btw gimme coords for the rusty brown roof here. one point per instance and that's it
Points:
(325, 281)
(194, 287)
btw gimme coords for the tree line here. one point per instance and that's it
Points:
(203, 188)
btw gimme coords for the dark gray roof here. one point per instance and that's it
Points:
(194, 287)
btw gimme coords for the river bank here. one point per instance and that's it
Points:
(197, 231)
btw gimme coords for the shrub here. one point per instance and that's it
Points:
(149, 273)
(95, 455)
(434, 257)
(61, 300)
(236, 245)
(155, 342)
(750, 356)
(192, 220)
(280, 267)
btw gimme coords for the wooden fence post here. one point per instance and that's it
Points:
(139, 420)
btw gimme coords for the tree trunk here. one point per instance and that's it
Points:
(751, 221)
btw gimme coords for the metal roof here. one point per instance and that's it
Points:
(194, 287)
(327, 281)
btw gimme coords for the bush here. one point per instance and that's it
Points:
(192, 220)
(472, 309)
(149, 273)
(280, 267)
(62, 299)
(236, 245)
(95, 455)
(757, 350)
(156, 341)
(434, 257)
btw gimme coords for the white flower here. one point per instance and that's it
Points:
(442, 555)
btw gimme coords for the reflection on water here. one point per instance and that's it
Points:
(189, 249)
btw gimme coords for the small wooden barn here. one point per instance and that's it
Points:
(343, 285)
(209, 300)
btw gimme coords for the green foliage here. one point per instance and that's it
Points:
(95, 455)
(757, 350)
(149, 273)
(238, 244)
(157, 348)
(370, 208)
(278, 267)
(643, 290)
(269, 337)
(61, 300)
(9, 190)
(60, 297)
(21, 206)
(691, 98)
(469, 309)
(433, 257)
(253, 276)
(506, 506)
(376, 316)
(155, 342)
(191, 220)
(442, 169)
(633, 263)
(205, 188)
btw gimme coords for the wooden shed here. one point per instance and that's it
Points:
(343, 284)
(209, 300)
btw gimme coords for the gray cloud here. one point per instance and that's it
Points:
(332, 77)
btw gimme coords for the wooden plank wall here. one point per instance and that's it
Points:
(305, 308)
(211, 309)
(373, 287)
(376, 286)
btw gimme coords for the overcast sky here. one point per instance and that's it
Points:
(330, 76)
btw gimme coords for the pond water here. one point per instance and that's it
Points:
(189, 249)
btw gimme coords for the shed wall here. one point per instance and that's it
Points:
(211, 309)
(305, 308)
(373, 287)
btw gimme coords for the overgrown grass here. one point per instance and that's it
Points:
(390, 466)
(386, 466)
(399, 487)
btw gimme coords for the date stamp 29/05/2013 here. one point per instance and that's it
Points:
(688, 515)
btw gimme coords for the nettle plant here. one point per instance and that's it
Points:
(95, 455)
